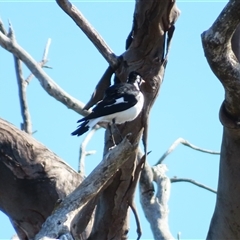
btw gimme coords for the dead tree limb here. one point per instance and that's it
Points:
(82, 151)
(22, 91)
(44, 60)
(22, 88)
(2, 28)
(156, 206)
(90, 32)
(186, 143)
(176, 179)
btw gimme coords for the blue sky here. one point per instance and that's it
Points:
(187, 106)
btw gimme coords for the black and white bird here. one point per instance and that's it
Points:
(122, 103)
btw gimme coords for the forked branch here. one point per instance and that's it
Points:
(46, 82)
(156, 206)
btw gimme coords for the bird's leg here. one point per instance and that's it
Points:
(116, 128)
(110, 130)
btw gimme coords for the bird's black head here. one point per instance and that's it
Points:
(135, 78)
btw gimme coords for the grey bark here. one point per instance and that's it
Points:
(155, 206)
(29, 180)
(219, 48)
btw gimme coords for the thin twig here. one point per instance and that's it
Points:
(134, 210)
(22, 88)
(140, 165)
(2, 29)
(186, 143)
(178, 235)
(26, 125)
(89, 31)
(44, 60)
(175, 179)
(82, 151)
(45, 53)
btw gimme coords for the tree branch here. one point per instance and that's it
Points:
(46, 82)
(186, 143)
(2, 29)
(223, 62)
(26, 125)
(175, 179)
(82, 152)
(100, 88)
(89, 188)
(22, 88)
(90, 32)
(156, 207)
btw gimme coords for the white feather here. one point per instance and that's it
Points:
(93, 122)
(119, 100)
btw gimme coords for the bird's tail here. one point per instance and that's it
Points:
(81, 129)
(85, 126)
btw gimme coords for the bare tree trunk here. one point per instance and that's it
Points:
(145, 54)
(217, 42)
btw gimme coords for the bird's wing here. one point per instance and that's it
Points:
(117, 90)
(111, 97)
(116, 99)
(112, 105)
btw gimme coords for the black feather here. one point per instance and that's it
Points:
(82, 128)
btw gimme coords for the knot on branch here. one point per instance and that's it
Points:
(228, 120)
